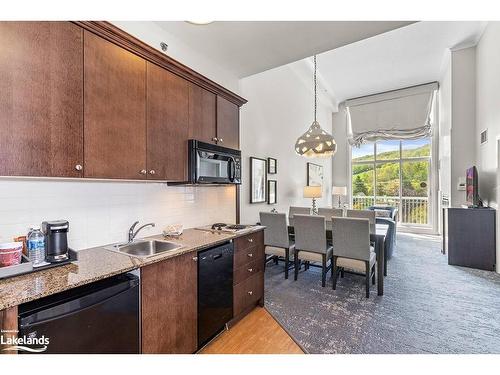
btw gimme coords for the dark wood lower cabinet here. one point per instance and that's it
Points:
(248, 293)
(248, 280)
(169, 306)
(8, 322)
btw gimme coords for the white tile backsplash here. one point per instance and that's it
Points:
(100, 212)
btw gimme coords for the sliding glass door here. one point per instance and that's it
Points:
(395, 173)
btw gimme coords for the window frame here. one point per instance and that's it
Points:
(400, 161)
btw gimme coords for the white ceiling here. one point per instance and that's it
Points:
(404, 57)
(247, 47)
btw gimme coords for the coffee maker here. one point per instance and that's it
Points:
(56, 240)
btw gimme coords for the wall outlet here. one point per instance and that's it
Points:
(461, 186)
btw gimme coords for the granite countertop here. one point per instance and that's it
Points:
(98, 263)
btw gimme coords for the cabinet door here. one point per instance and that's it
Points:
(169, 306)
(202, 114)
(41, 101)
(228, 123)
(115, 111)
(167, 125)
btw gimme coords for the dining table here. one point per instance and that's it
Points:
(378, 237)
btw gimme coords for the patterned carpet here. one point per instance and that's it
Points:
(427, 307)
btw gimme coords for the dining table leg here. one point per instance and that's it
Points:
(379, 242)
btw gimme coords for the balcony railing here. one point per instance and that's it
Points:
(412, 210)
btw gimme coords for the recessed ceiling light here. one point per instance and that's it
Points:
(200, 22)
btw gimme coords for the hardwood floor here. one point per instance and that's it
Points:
(257, 333)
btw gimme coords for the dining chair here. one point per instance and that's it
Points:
(293, 210)
(352, 249)
(328, 213)
(310, 243)
(364, 214)
(276, 241)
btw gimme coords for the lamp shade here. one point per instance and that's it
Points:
(312, 192)
(339, 190)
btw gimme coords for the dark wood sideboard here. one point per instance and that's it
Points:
(469, 237)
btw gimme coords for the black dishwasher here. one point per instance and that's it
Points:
(215, 291)
(101, 317)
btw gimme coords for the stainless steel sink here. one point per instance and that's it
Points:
(144, 248)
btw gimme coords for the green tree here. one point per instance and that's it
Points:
(359, 186)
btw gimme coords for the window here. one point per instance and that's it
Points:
(394, 173)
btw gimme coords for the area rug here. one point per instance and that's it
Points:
(428, 306)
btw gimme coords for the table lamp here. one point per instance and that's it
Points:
(313, 192)
(340, 191)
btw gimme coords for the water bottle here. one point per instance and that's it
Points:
(36, 246)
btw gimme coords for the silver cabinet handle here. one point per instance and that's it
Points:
(221, 140)
(78, 167)
(152, 171)
(250, 240)
(195, 259)
(250, 255)
(250, 270)
(142, 171)
(250, 292)
(215, 139)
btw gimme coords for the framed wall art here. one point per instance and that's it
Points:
(258, 177)
(272, 166)
(272, 191)
(314, 175)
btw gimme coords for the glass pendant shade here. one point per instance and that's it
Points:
(315, 142)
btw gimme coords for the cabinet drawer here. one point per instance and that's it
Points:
(252, 239)
(248, 292)
(244, 272)
(248, 255)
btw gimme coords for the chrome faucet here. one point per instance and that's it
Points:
(132, 234)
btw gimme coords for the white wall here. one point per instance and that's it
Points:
(463, 118)
(341, 160)
(279, 109)
(100, 212)
(457, 119)
(151, 33)
(444, 157)
(488, 110)
(488, 117)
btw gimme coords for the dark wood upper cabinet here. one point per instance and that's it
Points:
(167, 124)
(228, 123)
(169, 306)
(202, 114)
(41, 100)
(114, 111)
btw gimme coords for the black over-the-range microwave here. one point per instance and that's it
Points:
(213, 164)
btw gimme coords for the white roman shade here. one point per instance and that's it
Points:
(398, 114)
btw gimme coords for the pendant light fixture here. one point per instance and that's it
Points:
(315, 142)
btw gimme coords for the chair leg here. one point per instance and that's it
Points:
(306, 265)
(275, 259)
(334, 266)
(373, 274)
(331, 266)
(342, 272)
(367, 279)
(296, 261)
(287, 260)
(323, 271)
